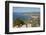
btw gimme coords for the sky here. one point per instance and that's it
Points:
(25, 9)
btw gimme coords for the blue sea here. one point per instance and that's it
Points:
(20, 15)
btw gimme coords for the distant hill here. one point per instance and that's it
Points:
(30, 12)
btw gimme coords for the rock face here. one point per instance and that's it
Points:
(28, 25)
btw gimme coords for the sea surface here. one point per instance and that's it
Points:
(20, 15)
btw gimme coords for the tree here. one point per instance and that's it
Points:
(18, 22)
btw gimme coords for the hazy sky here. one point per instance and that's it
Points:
(25, 9)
